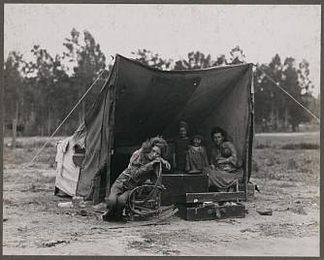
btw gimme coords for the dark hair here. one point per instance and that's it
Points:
(197, 136)
(217, 130)
(183, 124)
(155, 141)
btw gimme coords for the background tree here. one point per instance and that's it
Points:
(195, 60)
(40, 93)
(152, 59)
(316, 105)
(303, 72)
(272, 104)
(13, 89)
(45, 75)
(237, 55)
(262, 96)
(199, 60)
(278, 108)
(220, 61)
(298, 86)
(87, 60)
(307, 87)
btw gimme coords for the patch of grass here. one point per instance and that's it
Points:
(33, 142)
(301, 146)
(292, 164)
(286, 185)
(47, 179)
(255, 166)
(262, 146)
(276, 140)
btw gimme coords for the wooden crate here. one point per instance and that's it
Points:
(211, 211)
(199, 198)
(177, 185)
(250, 190)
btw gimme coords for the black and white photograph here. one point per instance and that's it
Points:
(161, 129)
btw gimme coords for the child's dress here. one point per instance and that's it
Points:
(196, 159)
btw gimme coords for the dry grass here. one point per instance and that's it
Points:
(288, 181)
(33, 142)
(280, 140)
(301, 146)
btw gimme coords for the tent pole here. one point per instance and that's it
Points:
(69, 114)
(111, 133)
(249, 142)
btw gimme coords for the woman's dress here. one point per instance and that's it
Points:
(224, 174)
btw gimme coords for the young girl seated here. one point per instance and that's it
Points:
(196, 157)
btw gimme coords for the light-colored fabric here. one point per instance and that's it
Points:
(61, 149)
(67, 173)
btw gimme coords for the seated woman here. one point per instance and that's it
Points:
(142, 166)
(224, 170)
(196, 157)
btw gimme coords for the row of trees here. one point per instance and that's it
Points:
(39, 93)
(276, 110)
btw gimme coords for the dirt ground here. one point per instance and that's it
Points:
(286, 169)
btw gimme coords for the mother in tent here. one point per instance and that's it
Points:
(224, 170)
(142, 166)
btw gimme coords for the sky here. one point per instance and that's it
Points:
(172, 30)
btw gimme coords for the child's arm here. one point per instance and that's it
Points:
(187, 167)
(205, 158)
(174, 160)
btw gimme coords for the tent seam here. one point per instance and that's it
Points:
(184, 71)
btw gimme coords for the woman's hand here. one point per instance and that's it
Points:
(165, 163)
(222, 160)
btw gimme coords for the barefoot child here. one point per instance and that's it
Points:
(196, 157)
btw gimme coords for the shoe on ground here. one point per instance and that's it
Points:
(100, 207)
(111, 217)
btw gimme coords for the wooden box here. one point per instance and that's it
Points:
(177, 185)
(209, 211)
(199, 198)
(250, 190)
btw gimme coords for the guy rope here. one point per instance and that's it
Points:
(288, 94)
(68, 115)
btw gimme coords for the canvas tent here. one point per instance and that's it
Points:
(138, 102)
